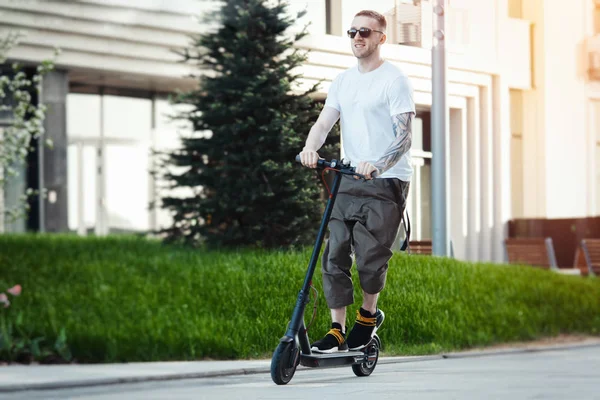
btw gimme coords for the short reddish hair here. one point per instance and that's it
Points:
(375, 15)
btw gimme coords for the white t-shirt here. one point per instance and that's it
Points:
(366, 103)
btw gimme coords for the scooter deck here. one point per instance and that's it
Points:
(327, 360)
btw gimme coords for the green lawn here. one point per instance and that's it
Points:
(130, 299)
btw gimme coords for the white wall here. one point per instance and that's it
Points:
(565, 110)
(351, 7)
(315, 15)
(557, 133)
(471, 26)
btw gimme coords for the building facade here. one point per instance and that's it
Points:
(523, 93)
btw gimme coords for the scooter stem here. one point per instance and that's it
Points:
(304, 295)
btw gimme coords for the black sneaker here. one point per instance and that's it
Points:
(333, 342)
(364, 328)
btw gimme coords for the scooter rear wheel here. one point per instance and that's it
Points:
(282, 363)
(372, 351)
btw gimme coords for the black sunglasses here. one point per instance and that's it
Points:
(364, 32)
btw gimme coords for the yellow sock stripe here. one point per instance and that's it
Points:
(365, 320)
(366, 324)
(337, 334)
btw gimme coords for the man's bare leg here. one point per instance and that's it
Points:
(370, 302)
(339, 315)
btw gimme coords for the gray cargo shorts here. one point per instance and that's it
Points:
(365, 220)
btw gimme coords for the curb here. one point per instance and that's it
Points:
(181, 376)
(537, 349)
(400, 360)
(263, 370)
(133, 379)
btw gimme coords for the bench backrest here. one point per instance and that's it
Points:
(537, 252)
(420, 247)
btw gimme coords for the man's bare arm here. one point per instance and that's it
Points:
(319, 131)
(317, 135)
(403, 130)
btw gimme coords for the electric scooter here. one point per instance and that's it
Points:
(294, 346)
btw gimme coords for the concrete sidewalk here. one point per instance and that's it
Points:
(15, 378)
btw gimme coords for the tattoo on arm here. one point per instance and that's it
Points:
(403, 131)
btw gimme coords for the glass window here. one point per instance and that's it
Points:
(168, 129)
(425, 201)
(417, 134)
(83, 115)
(167, 137)
(82, 161)
(127, 117)
(127, 180)
(73, 186)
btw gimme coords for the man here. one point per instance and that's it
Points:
(374, 100)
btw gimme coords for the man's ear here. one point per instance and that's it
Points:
(383, 39)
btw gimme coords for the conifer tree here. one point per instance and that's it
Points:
(249, 121)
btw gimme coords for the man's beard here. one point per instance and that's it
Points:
(366, 52)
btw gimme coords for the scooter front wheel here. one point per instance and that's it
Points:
(283, 365)
(372, 353)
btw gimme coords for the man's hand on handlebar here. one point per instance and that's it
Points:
(309, 158)
(340, 166)
(368, 170)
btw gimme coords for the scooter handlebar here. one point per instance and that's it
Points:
(339, 166)
(321, 163)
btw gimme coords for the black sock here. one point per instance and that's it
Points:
(335, 325)
(366, 313)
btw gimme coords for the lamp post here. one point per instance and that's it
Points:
(439, 133)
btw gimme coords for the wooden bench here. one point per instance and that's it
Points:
(587, 257)
(537, 252)
(423, 247)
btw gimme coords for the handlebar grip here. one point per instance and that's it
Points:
(320, 163)
(348, 171)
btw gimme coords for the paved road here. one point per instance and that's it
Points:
(560, 374)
